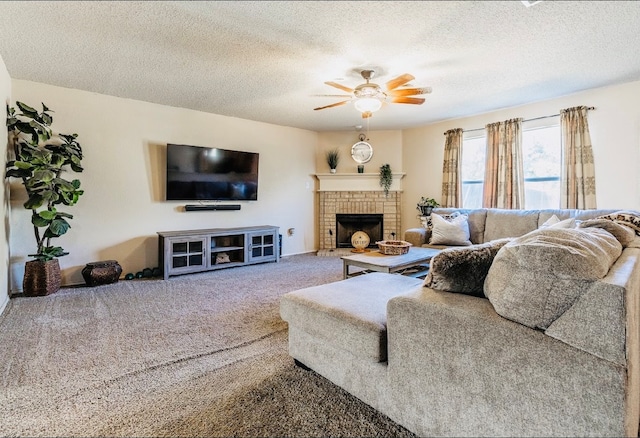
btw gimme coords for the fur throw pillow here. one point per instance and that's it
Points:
(463, 270)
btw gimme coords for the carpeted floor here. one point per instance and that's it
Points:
(198, 355)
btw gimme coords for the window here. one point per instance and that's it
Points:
(474, 154)
(541, 160)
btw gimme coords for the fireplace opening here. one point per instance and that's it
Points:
(347, 224)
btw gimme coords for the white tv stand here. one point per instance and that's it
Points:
(186, 252)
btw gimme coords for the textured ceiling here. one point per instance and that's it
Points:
(268, 61)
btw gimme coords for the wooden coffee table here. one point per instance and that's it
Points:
(375, 261)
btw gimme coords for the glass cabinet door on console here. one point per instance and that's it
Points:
(187, 254)
(262, 246)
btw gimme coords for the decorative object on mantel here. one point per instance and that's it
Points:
(333, 158)
(386, 178)
(360, 168)
(362, 151)
(426, 205)
(360, 241)
(40, 158)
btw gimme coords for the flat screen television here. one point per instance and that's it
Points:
(196, 173)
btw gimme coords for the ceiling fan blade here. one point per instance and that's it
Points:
(331, 95)
(332, 105)
(340, 86)
(366, 114)
(410, 91)
(412, 100)
(400, 80)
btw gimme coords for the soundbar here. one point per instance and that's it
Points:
(198, 207)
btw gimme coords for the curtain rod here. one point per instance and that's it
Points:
(527, 120)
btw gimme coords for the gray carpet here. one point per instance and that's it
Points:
(198, 355)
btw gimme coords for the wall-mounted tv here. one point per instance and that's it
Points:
(211, 174)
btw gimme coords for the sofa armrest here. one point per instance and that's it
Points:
(416, 236)
(464, 370)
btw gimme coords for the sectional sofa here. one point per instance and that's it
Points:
(550, 348)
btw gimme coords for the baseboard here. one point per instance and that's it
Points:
(3, 304)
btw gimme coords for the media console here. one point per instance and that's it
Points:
(190, 251)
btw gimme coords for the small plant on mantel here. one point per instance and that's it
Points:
(40, 158)
(333, 158)
(386, 178)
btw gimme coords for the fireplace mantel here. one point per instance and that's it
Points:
(364, 182)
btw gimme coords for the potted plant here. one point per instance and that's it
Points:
(333, 157)
(386, 178)
(40, 158)
(425, 205)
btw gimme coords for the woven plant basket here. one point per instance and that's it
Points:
(393, 247)
(41, 278)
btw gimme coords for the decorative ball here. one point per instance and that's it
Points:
(129, 276)
(360, 240)
(147, 272)
(139, 274)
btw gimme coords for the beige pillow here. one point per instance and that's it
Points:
(555, 222)
(454, 231)
(535, 278)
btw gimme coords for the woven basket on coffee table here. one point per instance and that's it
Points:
(393, 247)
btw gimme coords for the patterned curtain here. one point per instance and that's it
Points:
(504, 175)
(451, 183)
(578, 173)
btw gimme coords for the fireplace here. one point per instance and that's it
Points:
(347, 224)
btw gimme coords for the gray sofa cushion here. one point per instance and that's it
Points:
(463, 270)
(349, 314)
(509, 223)
(535, 278)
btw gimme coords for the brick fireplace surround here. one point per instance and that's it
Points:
(357, 202)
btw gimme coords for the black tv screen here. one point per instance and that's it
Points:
(211, 174)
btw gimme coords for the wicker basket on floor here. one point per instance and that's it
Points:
(393, 247)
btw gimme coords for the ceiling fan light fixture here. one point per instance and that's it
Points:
(367, 104)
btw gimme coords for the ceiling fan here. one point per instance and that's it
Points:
(368, 97)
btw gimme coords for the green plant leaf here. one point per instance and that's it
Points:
(39, 221)
(27, 110)
(44, 175)
(58, 227)
(48, 214)
(22, 165)
(34, 202)
(49, 253)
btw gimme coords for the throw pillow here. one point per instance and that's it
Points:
(624, 234)
(555, 222)
(450, 232)
(535, 278)
(463, 270)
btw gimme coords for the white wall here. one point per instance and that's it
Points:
(123, 206)
(615, 133)
(5, 97)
